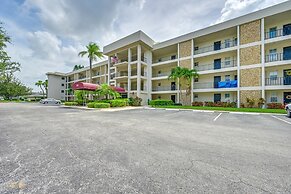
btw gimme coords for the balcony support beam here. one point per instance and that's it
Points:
(128, 73)
(138, 81)
(263, 57)
(238, 66)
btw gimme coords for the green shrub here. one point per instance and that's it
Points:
(135, 101)
(118, 102)
(161, 102)
(101, 105)
(71, 103)
(90, 105)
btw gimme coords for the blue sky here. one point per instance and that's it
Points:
(48, 34)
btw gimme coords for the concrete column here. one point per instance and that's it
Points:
(108, 70)
(178, 82)
(138, 81)
(238, 66)
(192, 67)
(263, 57)
(129, 73)
(149, 73)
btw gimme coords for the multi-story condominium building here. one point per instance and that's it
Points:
(246, 57)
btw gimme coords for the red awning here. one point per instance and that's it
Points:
(118, 89)
(85, 86)
(93, 87)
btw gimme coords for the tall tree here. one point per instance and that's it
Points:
(45, 85)
(182, 74)
(39, 83)
(107, 91)
(9, 85)
(93, 51)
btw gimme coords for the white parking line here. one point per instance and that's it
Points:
(217, 117)
(281, 119)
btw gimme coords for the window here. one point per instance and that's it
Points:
(274, 97)
(63, 84)
(227, 62)
(196, 79)
(63, 78)
(273, 32)
(274, 75)
(273, 55)
(173, 57)
(196, 64)
(195, 95)
(159, 72)
(227, 96)
(227, 78)
(227, 43)
(196, 48)
(62, 91)
(159, 84)
(159, 97)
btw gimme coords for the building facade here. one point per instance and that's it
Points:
(246, 57)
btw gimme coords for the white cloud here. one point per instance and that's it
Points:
(235, 8)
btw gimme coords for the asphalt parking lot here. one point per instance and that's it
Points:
(49, 149)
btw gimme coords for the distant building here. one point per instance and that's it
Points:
(56, 85)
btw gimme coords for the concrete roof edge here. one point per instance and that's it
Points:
(127, 40)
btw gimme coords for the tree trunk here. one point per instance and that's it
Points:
(90, 71)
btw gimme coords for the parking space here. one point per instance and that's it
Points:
(49, 149)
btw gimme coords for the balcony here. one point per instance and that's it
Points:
(278, 33)
(164, 88)
(134, 58)
(166, 74)
(168, 58)
(216, 85)
(278, 81)
(216, 65)
(215, 47)
(122, 74)
(277, 57)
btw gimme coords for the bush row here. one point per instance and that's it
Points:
(275, 106)
(98, 105)
(71, 103)
(215, 104)
(161, 102)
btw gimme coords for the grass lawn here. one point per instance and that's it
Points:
(258, 110)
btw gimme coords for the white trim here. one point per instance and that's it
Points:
(251, 66)
(215, 52)
(251, 44)
(251, 88)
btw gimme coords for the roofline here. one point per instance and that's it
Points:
(87, 67)
(272, 10)
(127, 40)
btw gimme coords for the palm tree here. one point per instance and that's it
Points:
(183, 74)
(93, 52)
(106, 90)
(77, 67)
(45, 85)
(39, 83)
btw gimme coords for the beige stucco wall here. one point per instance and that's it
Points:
(163, 96)
(250, 55)
(185, 49)
(250, 77)
(250, 32)
(209, 97)
(186, 63)
(252, 94)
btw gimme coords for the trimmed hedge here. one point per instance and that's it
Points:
(161, 102)
(275, 106)
(90, 104)
(101, 105)
(118, 103)
(71, 103)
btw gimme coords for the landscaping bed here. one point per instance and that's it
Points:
(229, 109)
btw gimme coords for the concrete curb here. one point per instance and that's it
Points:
(215, 111)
